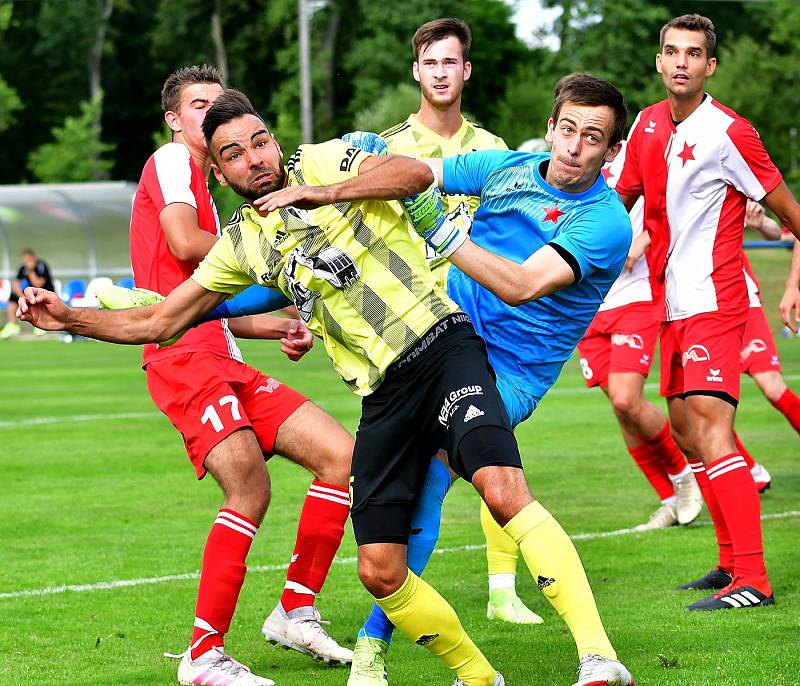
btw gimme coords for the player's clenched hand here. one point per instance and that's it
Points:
(301, 197)
(790, 302)
(44, 309)
(297, 342)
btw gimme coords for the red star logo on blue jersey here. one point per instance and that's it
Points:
(552, 214)
(686, 153)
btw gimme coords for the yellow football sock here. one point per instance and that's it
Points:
(427, 619)
(501, 550)
(557, 570)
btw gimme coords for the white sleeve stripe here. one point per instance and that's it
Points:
(174, 174)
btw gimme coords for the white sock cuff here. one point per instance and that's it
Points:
(501, 581)
(680, 475)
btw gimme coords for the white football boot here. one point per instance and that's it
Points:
(595, 670)
(689, 499)
(301, 630)
(215, 668)
(663, 518)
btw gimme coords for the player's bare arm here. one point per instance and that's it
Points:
(151, 324)
(783, 204)
(790, 302)
(379, 178)
(296, 340)
(186, 240)
(756, 218)
(542, 273)
(628, 200)
(638, 246)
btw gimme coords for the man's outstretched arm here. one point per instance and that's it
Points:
(152, 324)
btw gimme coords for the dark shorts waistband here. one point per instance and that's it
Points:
(439, 329)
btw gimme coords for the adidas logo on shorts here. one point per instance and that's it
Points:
(472, 412)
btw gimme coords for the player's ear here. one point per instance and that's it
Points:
(612, 152)
(218, 174)
(551, 125)
(415, 70)
(711, 66)
(658, 62)
(172, 121)
(467, 70)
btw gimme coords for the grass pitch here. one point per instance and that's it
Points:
(102, 526)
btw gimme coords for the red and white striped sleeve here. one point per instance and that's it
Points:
(746, 164)
(170, 178)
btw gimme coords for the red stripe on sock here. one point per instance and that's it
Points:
(319, 534)
(740, 505)
(221, 579)
(724, 542)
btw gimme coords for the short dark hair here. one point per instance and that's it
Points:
(187, 76)
(438, 29)
(230, 105)
(692, 22)
(586, 89)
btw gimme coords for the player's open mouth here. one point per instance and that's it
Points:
(680, 78)
(265, 177)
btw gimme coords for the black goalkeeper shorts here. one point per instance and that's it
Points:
(431, 398)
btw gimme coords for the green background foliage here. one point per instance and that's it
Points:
(361, 66)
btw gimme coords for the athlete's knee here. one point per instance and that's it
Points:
(626, 402)
(380, 574)
(504, 490)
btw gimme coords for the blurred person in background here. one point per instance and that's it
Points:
(32, 272)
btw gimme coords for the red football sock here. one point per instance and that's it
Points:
(221, 579)
(738, 499)
(748, 458)
(651, 467)
(724, 542)
(789, 405)
(319, 535)
(665, 448)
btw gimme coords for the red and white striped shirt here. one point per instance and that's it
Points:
(696, 177)
(172, 176)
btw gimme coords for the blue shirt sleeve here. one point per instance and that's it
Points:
(598, 239)
(466, 174)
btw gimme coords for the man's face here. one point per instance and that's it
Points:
(247, 158)
(580, 146)
(188, 120)
(29, 261)
(441, 72)
(683, 62)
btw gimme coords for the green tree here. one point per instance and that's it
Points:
(76, 153)
(9, 100)
(392, 107)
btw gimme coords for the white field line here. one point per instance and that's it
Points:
(112, 416)
(188, 576)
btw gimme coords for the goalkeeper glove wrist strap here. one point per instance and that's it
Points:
(427, 216)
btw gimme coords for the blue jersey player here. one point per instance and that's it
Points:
(548, 240)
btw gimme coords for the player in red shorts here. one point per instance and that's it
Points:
(231, 416)
(696, 162)
(615, 354)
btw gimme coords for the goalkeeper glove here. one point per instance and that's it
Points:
(367, 141)
(428, 218)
